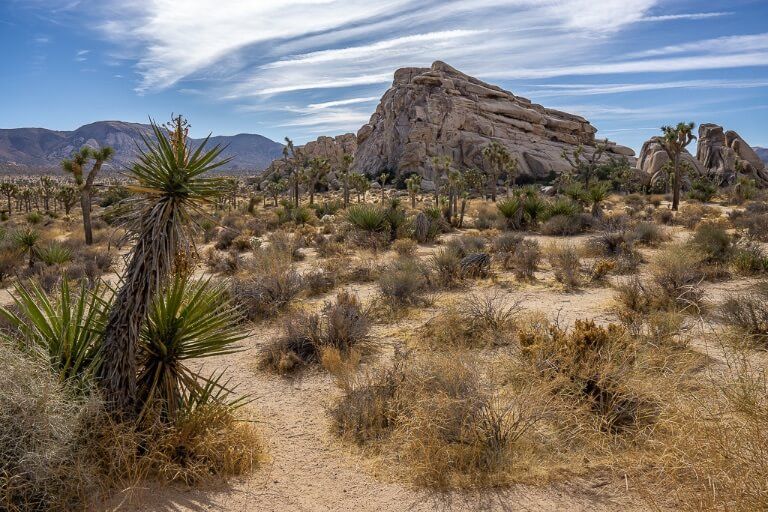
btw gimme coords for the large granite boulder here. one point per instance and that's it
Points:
(439, 111)
(725, 155)
(653, 158)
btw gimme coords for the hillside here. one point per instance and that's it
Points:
(40, 148)
(762, 153)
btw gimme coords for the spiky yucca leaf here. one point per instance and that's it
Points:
(367, 217)
(190, 320)
(67, 329)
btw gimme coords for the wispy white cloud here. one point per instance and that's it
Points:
(338, 103)
(688, 16)
(558, 90)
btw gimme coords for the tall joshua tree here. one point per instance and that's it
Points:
(346, 165)
(497, 159)
(170, 187)
(318, 169)
(9, 189)
(674, 140)
(75, 166)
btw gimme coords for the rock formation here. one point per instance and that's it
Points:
(725, 154)
(721, 155)
(653, 158)
(440, 111)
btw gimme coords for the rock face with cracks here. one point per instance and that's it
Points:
(440, 111)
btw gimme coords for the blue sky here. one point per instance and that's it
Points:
(304, 68)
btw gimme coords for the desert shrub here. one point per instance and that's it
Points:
(39, 464)
(242, 243)
(648, 233)
(752, 220)
(34, 218)
(478, 320)
(743, 190)
(225, 238)
(319, 281)
(486, 217)
(403, 282)
(713, 242)
(525, 259)
(691, 214)
(446, 263)
(616, 251)
(748, 258)
(342, 326)
(282, 243)
(476, 264)
(506, 243)
(717, 461)
(593, 366)
(226, 263)
(269, 288)
(328, 248)
(425, 228)
(748, 312)
(677, 272)
(441, 418)
(405, 247)
(9, 263)
(702, 189)
(664, 216)
(566, 264)
(564, 225)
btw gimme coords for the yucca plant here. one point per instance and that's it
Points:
(190, 320)
(26, 239)
(512, 210)
(54, 254)
(66, 329)
(561, 206)
(367, 217)
(169, 190)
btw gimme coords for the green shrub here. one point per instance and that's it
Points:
(34, 218)
(713, 241)
(54, 254)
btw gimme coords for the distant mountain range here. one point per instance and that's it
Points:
(37, 149)
(762, 153)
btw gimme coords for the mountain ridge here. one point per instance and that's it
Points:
(37, 148)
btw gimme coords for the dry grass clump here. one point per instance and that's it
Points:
(748, 313)
(405, 247)
(616, 246)
(270, 286)
(404, 282)
(342, 325)
(60, 451)
(439, 417)
(521, 255)
(717, 458)
(691, 214)
(566, 264)
(752, 220)
(677, 272)
(593, 367)
(479, 320)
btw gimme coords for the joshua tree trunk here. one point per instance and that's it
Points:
(676, 191)
(494, 179)
(147, 270)
(463, 209)
(10, 210)
(346, 190)
(413, 200)
(85, 205)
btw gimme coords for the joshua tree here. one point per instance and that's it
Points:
(346, 165)
(512, 167)
(674, 140)
(597, 194)
(317, 170)
(169, 189)
(497, 159)
(75, 167)
(361, 185)
(441, 166)
(584, 166)
(296, 162)
(9, 189)
(47, 191)
(26, 240)
(382, 180)
(68, 196)
(413, 184)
